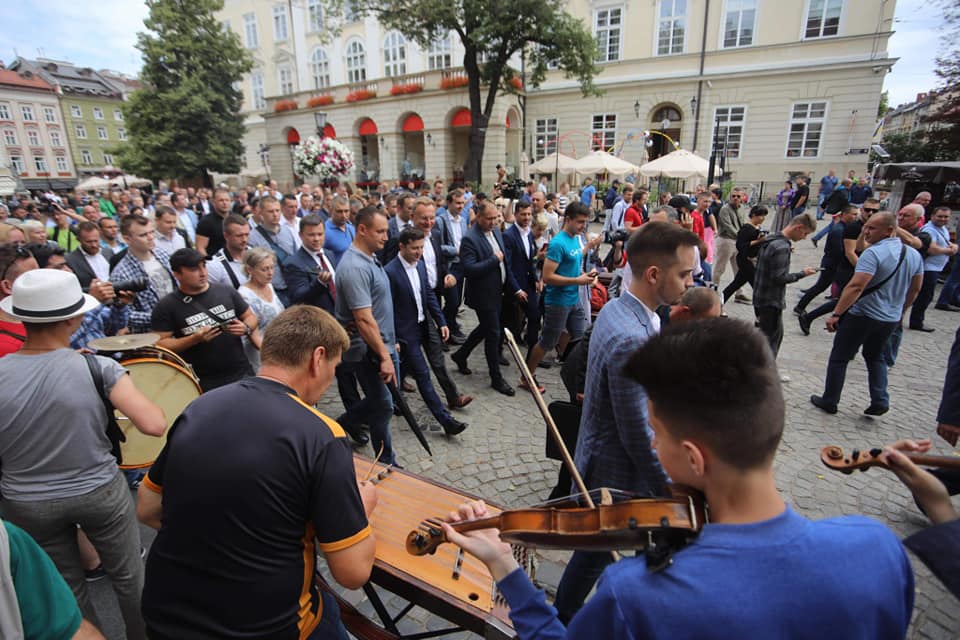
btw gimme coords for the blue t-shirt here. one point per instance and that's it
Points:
(586, 194)
(336, 242)
(940, 237)
(787, 577)
(567, 252)
(879, 260)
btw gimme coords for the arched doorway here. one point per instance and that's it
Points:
(460, 121)
(413, 162)
(666, 119)
(293, 139)
(369, 166)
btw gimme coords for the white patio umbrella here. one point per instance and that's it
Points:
(93, 183)
(129, 181)
(603, 162)
(676, 164)
(554, 163)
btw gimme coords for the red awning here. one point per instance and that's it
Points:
(293, 136)
(461, 118)
(509, 124)
(329, 131)
(413, 122)
(368, 128)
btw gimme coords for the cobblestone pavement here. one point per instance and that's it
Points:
(500, 456)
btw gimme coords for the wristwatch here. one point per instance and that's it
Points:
(836, 315)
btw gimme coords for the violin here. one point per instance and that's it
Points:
(834, 458)
(657, 526)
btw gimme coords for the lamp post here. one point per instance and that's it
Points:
(663, 134)
(713, 150)
(320, 118)
(265, 159)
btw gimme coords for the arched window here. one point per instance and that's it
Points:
(394, 55)
(439, 54)
(356, 61)
(668, 113)
(320, 68)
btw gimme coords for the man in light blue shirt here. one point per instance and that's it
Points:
(938, 255)
(338, 230)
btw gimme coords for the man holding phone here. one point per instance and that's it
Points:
(563, 275)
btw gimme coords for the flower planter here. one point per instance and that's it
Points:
(405, 89)
(454, 82)
(285, 105)
(319, 101)
(361, 94)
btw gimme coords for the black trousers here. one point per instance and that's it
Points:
(771, 324)
(452, 297)
(487, 331)
(826, 278)
(433, 347)
(745, 274)
(924, 298)
(518, 314)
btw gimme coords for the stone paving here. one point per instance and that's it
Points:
(500, 456)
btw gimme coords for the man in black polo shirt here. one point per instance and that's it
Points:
(251, 482)
(205, 323)
(210, 228)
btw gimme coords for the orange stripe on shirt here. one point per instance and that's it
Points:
(307, 619)
(333, 425)
(337, 545)
(150, 484)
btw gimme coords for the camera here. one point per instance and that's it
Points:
(133, 285)
(513, 190)
(620, 235)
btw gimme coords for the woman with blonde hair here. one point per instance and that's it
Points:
(259, 264)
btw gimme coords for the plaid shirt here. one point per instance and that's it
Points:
(613, 447)
(103, 321)
(141, 309)
(773, 273)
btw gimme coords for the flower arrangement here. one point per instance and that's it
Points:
(405, 89)
(516, 83)
(285, 105)
(454, 82)
(326, 158)
(361, 94)
(320, 101)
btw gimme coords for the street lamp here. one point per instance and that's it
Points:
(636, 108)
(265, 159)
(320, 118)
(664, 124)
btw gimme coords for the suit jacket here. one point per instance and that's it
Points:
(303, 286)
(81, 268)
(482, 270)
(445, 224)
(392, 247)
(523, 266)
(405, 304)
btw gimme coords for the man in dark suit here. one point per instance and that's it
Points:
(90, 261)
(308, 272)
(414, 304)
(521, 253)
(395, 225)
(487, 274)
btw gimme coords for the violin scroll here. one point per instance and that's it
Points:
(834, 458)
(426, 538)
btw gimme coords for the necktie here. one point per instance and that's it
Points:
(330, 285)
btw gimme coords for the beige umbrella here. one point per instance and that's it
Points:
(129, 181)
(676, 164)
(93, 183)
(554, 163)
(603, 162)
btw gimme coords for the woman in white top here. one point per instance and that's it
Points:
(259, 264)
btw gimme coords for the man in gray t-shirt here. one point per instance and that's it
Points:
(364, 306)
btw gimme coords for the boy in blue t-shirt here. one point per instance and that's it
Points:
(562, 275)
(758, 569)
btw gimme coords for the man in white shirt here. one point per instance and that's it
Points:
(614, 221)
(538, 201)
(169, 237)
(186, 219)
(289, 219)
(90, 261)
(227, 264)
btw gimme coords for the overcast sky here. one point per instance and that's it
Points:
(102, 34)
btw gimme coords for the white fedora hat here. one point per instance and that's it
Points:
(47, 295)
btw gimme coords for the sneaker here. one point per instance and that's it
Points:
(92, 575)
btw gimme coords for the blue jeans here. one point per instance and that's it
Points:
(375, 409)
(948, 294)
(892, 347)
(581, 573)
(824, 231)
(853, 333)
(330, 626)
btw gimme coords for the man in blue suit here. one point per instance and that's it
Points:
(487, 275)
(309, 272)
(414, 303)
(521, 253)
(453, 222)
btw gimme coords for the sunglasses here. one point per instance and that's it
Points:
(869, 210)
(19, 253)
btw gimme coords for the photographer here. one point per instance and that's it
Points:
(748, 248)
(144, 270)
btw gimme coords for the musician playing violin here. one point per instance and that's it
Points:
(758, 568)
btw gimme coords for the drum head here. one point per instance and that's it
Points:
(169, 386)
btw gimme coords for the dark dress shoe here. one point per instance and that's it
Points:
(453, 426)
(503, 387)
(946, 307)
(461, 363)
(457, 338)
(821, 404)
(876, 410)
(804, 321)
(924, 329)
(359, 439)
(546, 364)
(460, 402)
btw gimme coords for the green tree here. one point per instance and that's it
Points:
(904, 147)
(492, 32)
(185, 120)
(944, 135)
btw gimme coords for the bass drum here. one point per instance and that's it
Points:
(167, 380)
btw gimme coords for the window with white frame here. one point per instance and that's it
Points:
(394, 55)
(314, 15)
(27, 112)
(728, 129)
(107, 158)
(250, 30)
(320, 68)
(5, 111)
(40, 164)
(10, 136)
(671, 27)
(823, 18)
(76, 111)
(17, 163)
(356, 61)
(607, 30)
(603, 131)
(55, 140)
(33, 138)
(545, 141)
(121, 133)
(285, 79)
(256, 89)
(49, 115)
(86, 157)
(97, 113)
(81, 131)
(739, 23)
(439, 55)
(806, 129)
(279, 22)
(118, 115)
(102, 133)
(62, 163)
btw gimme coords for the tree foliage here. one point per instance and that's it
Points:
(944, 136)
(185, 120)
(492, 33)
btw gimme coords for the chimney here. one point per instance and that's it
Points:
(921, 97)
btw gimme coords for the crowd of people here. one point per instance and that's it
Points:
(273, 297)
